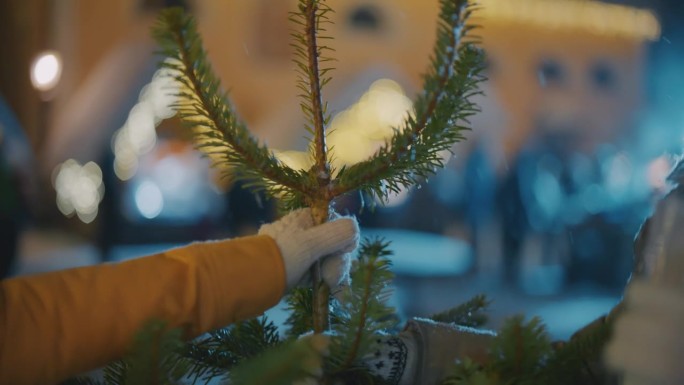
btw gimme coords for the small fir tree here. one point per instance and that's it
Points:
(409, 157)
(253, 352)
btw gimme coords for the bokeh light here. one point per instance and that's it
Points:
(172, 185)
(79, 189)
(46, 70)
(138, 135)
(356, 133)
(149, 199)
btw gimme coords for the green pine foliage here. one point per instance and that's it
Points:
(309, 57)
(522, 354)
(364, 314)
(415, 152)
(285, 364)
(217, 353)
(468, 372)
(354, 327)
(412, 154)
(152, 359)
(578, 361)
(516, 356)
(204, 107)
(253, 352)
(300, 306)
(471, 314)
(520, 349)
(117, 372)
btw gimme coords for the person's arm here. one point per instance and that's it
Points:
(55, 325)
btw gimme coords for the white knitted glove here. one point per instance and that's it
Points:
(301, 244)
(425, 352)
(648, 339)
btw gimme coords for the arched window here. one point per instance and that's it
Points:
(366, 18)
(602, 76)
(551, 73)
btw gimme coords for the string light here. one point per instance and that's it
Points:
(79, 189)
(138, 135)
(592, 16)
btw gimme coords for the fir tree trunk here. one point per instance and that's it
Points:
(321, 204)
(321, 316)
(320, 210)
(321, 291)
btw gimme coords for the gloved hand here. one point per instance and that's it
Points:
(648, 337)
(425, 352)
(301, 244)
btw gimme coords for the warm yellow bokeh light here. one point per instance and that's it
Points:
(356, 133)
(46, 70)
(138, 135)
(79, 189)
(593, 16)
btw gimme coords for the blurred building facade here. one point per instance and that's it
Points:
(553, 151)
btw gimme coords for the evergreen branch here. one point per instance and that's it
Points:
(469, 314)
(468, 372)
(285, 364)
(522, 355)
(153, 359)
(308, 54)
(366, 314)
(206, 361)
(520, 350)
(579, 360)
(517, 356)
(300, 307)
(225, 348)
(362, 317)
(116, 372)
(203, 106)
(441, 112)
(312, 78)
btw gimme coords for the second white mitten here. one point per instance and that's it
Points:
(648, 337)
(425, 352)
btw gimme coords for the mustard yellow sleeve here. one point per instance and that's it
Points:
(57, 325)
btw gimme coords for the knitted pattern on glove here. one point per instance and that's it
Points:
(388, 358)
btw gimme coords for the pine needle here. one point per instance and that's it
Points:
(470, 314)
(442, 110)
(223, 349)
(366, 315)
(204, 107)
(285, 364)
